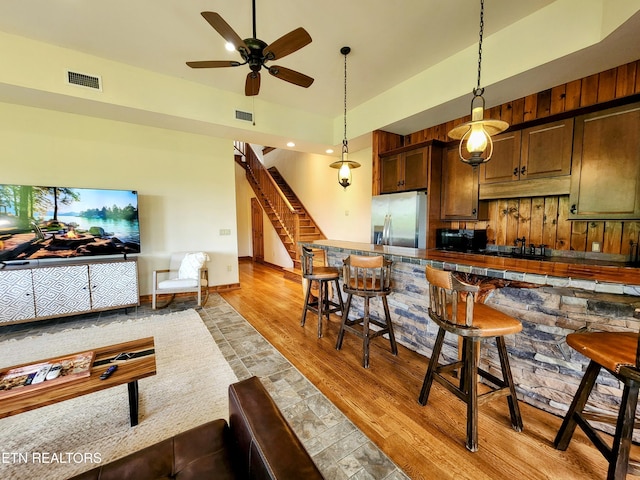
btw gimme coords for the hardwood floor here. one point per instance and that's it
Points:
(426, 442)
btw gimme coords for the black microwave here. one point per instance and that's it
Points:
(461, 240)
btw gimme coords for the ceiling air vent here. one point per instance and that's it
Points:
(83, 80)
(246, 116)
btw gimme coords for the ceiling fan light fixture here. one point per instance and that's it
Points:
(344, 165)
(475, 136)
(256, 53)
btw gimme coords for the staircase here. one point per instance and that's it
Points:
(286, 213)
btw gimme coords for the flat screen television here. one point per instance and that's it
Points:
(38, 222)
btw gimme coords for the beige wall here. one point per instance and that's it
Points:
(184, 181)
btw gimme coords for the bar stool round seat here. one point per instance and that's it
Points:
(617, 353)
(453, 308)
(323, 306)
(367, 277)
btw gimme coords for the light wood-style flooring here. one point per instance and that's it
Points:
(426, 442)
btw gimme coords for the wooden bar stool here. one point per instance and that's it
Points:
(366, 277)
(617, 353)
(453, 308)
(323, 276)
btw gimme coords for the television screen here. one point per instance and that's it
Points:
(60, 222)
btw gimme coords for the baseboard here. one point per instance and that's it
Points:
(213, 289)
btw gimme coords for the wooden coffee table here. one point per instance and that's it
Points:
(141, 364)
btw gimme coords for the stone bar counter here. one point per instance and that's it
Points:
(550, 298)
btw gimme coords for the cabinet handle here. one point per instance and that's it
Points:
(473, 211)
(523, 170)
(573, 208)
(515, 172)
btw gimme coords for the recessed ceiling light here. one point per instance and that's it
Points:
(329, 150)
(291, 144)
(229, 46)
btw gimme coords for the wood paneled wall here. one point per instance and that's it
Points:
(542, 220)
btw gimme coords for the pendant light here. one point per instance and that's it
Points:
(344, 165)
(475, 136)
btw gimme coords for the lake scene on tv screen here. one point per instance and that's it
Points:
(61, 222)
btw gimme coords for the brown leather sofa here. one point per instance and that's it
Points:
(257, 443)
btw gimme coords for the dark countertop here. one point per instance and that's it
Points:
(562, 267)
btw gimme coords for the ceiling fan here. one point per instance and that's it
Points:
(256, 53)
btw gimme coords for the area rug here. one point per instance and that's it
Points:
(61, 440)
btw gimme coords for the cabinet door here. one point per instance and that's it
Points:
(546, 150)
(416, 163)
(504, 164)
(459, 188)
(62, 290)
(113, 284)
(16, 296)
(605, 182)
(390, 169)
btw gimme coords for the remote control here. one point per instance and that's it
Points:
(29, 379)
(41, 375)
(54, 372)
(108, 372)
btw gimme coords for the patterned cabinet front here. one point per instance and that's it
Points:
(16, 295)
(61, 290)
(113, 284)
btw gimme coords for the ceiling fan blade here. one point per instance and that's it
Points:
(252, 85)
(225, 31)
(291, 76)
(287, 44)
(213, 64)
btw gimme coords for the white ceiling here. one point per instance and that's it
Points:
(391, 41)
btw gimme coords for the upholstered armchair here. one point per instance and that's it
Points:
(187, 273)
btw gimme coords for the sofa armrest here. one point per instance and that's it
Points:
(266, 446)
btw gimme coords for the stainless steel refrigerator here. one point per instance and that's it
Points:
(399, 219)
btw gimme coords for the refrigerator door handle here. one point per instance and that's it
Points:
(386, 231)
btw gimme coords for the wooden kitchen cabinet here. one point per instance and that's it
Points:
(405, 171)
(605, 180)
(542, 151)
(459, 188)
(504, 164)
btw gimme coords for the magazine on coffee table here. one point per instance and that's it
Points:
(21, 379)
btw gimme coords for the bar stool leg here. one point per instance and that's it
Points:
(619, 462)
(365, 334)
(433, 365)
(345, 317)
(514, 409)
(306, 303)
(471, 392)
(322, 304)
(339, 295)
(569, 423)
(387, 314)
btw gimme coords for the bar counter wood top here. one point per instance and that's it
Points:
(561, 267)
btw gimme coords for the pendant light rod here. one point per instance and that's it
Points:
(344, 165)
(476, 146)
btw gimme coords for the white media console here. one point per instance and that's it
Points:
(49, 290)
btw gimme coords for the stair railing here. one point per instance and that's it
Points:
(288, 216)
